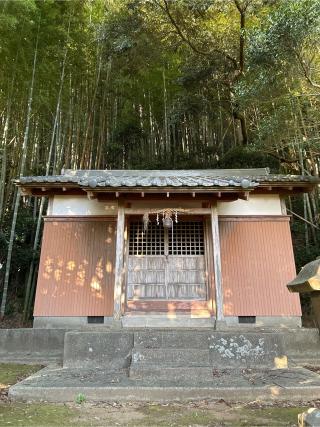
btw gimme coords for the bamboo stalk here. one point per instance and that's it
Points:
(18, 195)
(37, 234)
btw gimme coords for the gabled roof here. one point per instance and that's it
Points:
(197, 179)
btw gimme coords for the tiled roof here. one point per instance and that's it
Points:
(245, 178)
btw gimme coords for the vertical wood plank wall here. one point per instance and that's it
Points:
(76, 273)
(257, 263)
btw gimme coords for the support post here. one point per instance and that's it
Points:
(119, 265)
(217, 263)
(283, 206)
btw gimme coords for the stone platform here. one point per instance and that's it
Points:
(233, 385)
(167, 365)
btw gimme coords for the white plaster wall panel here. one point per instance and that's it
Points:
(256, 205)
(50, 205)
(81, 205)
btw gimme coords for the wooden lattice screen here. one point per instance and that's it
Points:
(185, 238)
(167, 264)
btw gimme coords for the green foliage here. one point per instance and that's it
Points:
(302, 254)
(246, 157)
(80, 398)
(21, 254)
(285, 30)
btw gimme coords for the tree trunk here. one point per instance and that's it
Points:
(3, 171)
(17, 201)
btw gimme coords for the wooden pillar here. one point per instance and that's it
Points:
(283, 206)
(217, 262)
(119, 264)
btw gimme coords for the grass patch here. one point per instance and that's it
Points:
(22, 414)
(11, 373)
(37, 415)
(278, 416)
(183, 416)
(152, 415)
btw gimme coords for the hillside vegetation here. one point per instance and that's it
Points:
(152, 84)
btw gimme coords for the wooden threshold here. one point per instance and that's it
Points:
(169, 307)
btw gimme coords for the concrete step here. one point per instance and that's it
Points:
(312, 359)
(194, 373)
(208, 348)
(170, 357)
(97, 349)
(172, 339)
(62, 385)
(27, 345)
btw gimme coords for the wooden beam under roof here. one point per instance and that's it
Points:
(51, 189)
(227, 197)
(188, 211)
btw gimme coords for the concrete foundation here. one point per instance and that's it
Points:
(167, 321)
(302, 346)
(66, 322)
(167, 364)
(266, 321)
(32, 345)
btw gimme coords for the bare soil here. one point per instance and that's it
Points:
(14, 321)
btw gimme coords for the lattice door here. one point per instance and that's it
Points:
(166, 264)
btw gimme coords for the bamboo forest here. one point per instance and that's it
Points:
(152, 84)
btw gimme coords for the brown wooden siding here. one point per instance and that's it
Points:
(76, 274)
(257, 263)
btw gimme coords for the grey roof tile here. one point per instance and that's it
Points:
(245, 178)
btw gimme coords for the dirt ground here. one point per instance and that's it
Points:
(133, 414)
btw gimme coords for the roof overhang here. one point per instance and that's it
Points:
(147, 183)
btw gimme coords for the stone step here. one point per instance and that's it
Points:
(216, 349)
(62, 385)
(194, 373)
(97, 349)
(170, 357)
(172, 339)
